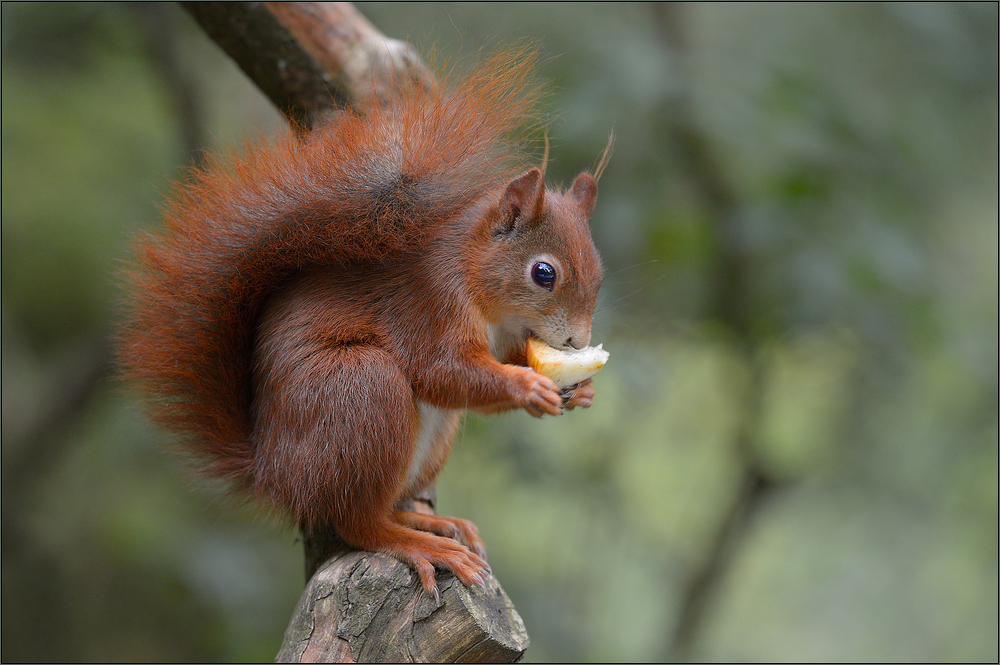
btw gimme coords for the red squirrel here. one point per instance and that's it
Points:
(320, 309)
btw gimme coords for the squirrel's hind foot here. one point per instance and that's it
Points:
(455, 528)
(423, 551)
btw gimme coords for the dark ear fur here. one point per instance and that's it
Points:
(524, 198)
(584, 193)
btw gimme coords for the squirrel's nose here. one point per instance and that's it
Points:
(579, 340)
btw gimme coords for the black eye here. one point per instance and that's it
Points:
(544, 275)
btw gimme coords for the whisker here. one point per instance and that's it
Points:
(634, 265)
(628, 281)
(641, 288)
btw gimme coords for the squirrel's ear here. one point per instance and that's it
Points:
(524, 197)
(584, 193)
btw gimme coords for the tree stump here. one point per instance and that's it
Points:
(365, 607)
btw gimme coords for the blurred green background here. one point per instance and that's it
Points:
(793, 453)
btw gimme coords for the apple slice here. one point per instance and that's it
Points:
(566, 368)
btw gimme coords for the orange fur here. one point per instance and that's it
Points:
(318, 311)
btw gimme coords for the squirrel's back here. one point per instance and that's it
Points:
(367, 185)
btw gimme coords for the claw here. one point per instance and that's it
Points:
(437, 596)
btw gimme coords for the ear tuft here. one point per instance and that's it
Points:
(584, 193)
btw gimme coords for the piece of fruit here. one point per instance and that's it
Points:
(566, 368)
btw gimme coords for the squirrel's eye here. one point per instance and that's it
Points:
(544, 275)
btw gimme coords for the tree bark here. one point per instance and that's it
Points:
(364, 607)
(309, 58)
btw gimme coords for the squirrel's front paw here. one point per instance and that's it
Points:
(538, 394)
(582, 395)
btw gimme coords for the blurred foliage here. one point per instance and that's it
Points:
(800, 231)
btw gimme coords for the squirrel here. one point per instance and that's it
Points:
(320, 309)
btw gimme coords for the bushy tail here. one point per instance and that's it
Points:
(365, 186)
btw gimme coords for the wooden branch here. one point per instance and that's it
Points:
(310, 58)
(270, 55)
(364, 607)
(360, 59)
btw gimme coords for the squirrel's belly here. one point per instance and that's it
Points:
(433, 432)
